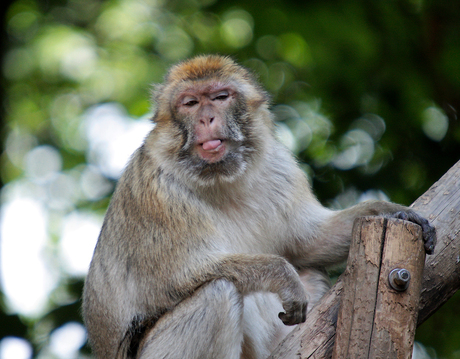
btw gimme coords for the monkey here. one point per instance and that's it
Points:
(213, 244)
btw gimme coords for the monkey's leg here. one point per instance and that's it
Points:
(316, 282)
(262, 328)
(206, 325)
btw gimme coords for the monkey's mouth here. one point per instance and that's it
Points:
(211, 145)
(213, 150)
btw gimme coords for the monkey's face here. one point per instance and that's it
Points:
(204, 112)
(214, 123)
(213, 119)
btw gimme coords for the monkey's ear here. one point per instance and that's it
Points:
(248, 83)
(260, 98)
(160, 117)
(160, 106)
(157, 90)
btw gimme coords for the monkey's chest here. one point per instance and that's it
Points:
(248, 231)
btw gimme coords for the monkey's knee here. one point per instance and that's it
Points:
(206, 325)
(223, 291)
(316, 282)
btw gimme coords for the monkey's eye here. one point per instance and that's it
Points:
(221, 96)
(190, 102)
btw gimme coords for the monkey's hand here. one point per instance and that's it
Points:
(295, 304)
(428, 231)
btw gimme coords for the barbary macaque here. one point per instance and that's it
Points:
(213, 243)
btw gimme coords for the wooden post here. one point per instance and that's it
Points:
(378, 316)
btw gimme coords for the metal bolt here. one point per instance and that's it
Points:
(399, 279)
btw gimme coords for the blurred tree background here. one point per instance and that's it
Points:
(366, 95)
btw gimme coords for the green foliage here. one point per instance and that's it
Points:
(365, 93)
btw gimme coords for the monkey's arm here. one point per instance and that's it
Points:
(260, 273)
(330, 239)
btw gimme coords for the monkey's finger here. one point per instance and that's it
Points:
(288, 319)
(402, 215)
(294, 317)
(428, 231)
(429, 237)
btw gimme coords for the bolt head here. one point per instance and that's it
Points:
(399, 279)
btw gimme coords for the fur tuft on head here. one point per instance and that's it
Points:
(204, 67)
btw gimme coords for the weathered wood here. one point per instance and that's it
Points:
(376, 321)
(396, 312)
(360, 282)
(441, 277)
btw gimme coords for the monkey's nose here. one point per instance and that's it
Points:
(207, 121)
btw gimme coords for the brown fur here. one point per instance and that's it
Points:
(200, 248)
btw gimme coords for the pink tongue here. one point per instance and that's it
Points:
(211, 145)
